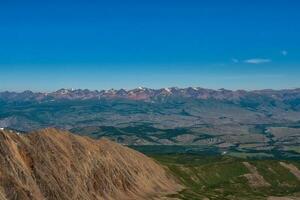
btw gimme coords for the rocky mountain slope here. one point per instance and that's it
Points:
(51, 164)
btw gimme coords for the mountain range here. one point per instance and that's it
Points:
(258, 121)
(148, 94)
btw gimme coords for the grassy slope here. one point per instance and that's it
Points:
(222, 177)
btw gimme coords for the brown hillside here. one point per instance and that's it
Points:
(52, 164)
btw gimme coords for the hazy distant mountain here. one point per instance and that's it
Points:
(266, 120)
(142, 93)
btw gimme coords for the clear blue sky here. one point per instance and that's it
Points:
(249, 44)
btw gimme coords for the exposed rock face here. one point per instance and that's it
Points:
(52, 164)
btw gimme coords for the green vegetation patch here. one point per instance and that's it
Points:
(222, 177)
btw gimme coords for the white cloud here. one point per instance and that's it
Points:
(257, 61)
(284, 52)
(235, 60)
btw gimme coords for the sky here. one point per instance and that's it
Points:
(233, 44)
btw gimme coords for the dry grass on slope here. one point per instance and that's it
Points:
(254, 178)
(292, 168)
(51, 164)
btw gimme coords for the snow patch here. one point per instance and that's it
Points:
(167, 89)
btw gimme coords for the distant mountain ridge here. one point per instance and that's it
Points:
(242, 120)
(147, 94)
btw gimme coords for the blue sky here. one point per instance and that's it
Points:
(47, 45)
